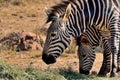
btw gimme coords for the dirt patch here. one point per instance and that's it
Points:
(23, 17)
(65, 61)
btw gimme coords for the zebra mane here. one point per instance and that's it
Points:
(58, 8)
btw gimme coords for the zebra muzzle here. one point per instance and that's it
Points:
(49, 59)
(84, 72)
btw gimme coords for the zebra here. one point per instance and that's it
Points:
(97, 37)
(79, 15)
(87, 44)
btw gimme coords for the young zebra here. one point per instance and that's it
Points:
(87, 44)
(79, 15)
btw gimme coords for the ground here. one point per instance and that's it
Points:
(33, 58)
(31, 16)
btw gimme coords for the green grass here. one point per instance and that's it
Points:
(8, 72)
(71, 75)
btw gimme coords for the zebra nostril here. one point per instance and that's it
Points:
(83, 56)
(52, 58)
(48, 59)
(44, 57)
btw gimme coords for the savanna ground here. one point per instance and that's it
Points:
(29, 15)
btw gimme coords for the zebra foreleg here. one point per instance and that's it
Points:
(118, 61)
(114, 50)
(105, 68)
(114, 65)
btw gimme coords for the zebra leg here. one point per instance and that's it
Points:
(114, 50)
(105, 68)
(118, 60)
(115, 42)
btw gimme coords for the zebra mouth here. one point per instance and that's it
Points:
(49, 59)
(84, 72)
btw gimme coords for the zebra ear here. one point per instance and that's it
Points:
(48, 12)
(67, 13)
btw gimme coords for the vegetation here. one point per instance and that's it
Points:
(8, 72)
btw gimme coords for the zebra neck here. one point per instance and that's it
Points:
(86, 13)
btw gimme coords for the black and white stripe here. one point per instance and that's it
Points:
(79, 15)
(87, 44)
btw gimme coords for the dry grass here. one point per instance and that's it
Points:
(28, 16)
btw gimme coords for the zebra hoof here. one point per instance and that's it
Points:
(113, 74)
(102, 75)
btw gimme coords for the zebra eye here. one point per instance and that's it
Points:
(85, 41)
(53, 34)
(83, 55)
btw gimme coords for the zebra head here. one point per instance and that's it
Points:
(86, 53)
(58, 36)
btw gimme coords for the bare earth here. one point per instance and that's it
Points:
(30, 17)
(65, 61)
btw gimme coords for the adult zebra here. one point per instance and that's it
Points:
(79, 15)
(87, 44)
(95, 36)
